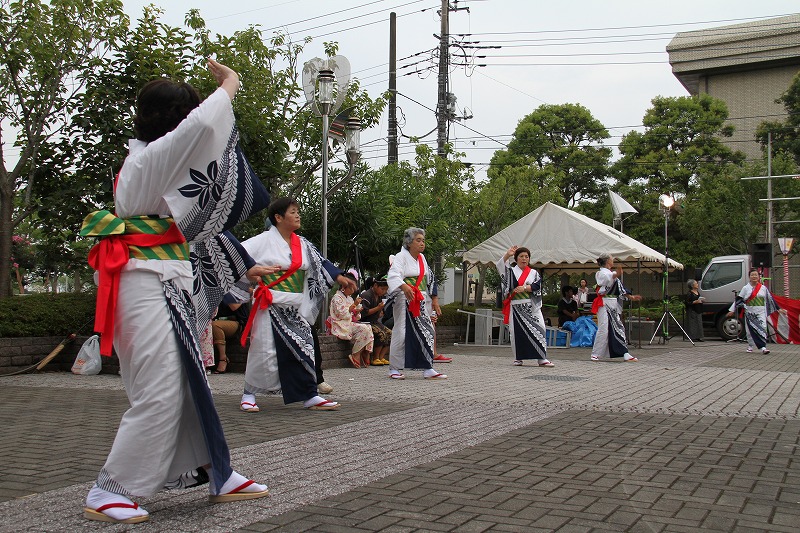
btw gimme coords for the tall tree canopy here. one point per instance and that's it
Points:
(71, 72)
(46, 50)
(679, 151)
(680, 144)
(380, 204)
(557, 147)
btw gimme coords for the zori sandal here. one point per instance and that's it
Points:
(325, 405)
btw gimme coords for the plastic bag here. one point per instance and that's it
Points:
(88, 362)
(583, 331)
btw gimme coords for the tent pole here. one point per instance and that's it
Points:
(464, 285)
(639, 291)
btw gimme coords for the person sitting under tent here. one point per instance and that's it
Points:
(567, 306)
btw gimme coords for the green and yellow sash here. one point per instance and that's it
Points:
(293, 283)
(120, 239)
(104, 223)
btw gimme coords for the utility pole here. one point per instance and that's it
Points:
(444, 66)
(445, 102)
(392, 88)
(769, 188)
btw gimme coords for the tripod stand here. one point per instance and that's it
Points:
(666, 202)
(741, 335)
(665, 316)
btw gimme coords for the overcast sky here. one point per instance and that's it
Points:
(608, 56)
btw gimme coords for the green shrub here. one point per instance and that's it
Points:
(654, 309)
(451, 316)
(47, 315)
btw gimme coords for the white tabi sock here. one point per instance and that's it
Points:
(237, 480)
(97, 498)
(316, 400)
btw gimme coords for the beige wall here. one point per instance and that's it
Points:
(750, 96)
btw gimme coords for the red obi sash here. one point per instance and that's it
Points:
(108, 257)
(507, 301)
(598, 300)
(417, 298)
(262, 297)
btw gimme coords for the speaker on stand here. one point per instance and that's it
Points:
(762, 255)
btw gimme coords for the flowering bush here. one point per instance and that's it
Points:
(21, 252)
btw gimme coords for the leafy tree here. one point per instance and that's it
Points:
(679, 153)
(277, 130)
(726, 215)
(681, 143)
(379, 205)
(560, 147)
(45, 49)
(786, 134)
(556, 155)
(22, 260)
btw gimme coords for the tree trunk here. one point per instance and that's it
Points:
(6, 229)
(77, 281)
(20, 285)
(479, 286)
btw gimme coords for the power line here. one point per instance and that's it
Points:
(548, 41)
(610, 28)
(463, 125)
(342, 30)
(325, 15)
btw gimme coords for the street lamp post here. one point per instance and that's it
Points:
(325, 84)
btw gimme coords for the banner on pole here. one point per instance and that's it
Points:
(787, 327)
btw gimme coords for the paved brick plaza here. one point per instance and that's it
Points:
(688, 438)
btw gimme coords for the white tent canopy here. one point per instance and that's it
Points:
(560, 239)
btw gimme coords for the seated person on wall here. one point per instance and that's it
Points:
(345, 315)
(372, 304)
(567, 306)
(229, 323)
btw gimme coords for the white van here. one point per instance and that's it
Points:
(720, 282)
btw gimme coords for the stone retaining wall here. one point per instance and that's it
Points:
(20, 352)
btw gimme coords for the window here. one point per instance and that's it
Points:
(720, 274)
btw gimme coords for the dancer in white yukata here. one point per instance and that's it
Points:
(757, 303)
(286, 303)
(610, 338)
(412, 297)
(522, 307)
(185, 179)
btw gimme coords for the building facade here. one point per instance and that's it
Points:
(748, 66)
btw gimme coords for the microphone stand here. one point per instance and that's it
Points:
(741, 336)
(667, 314)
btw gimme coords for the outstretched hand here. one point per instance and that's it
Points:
(510, 253)
(257, 271)
(226, 77)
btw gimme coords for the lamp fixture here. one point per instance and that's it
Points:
(666, 201)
